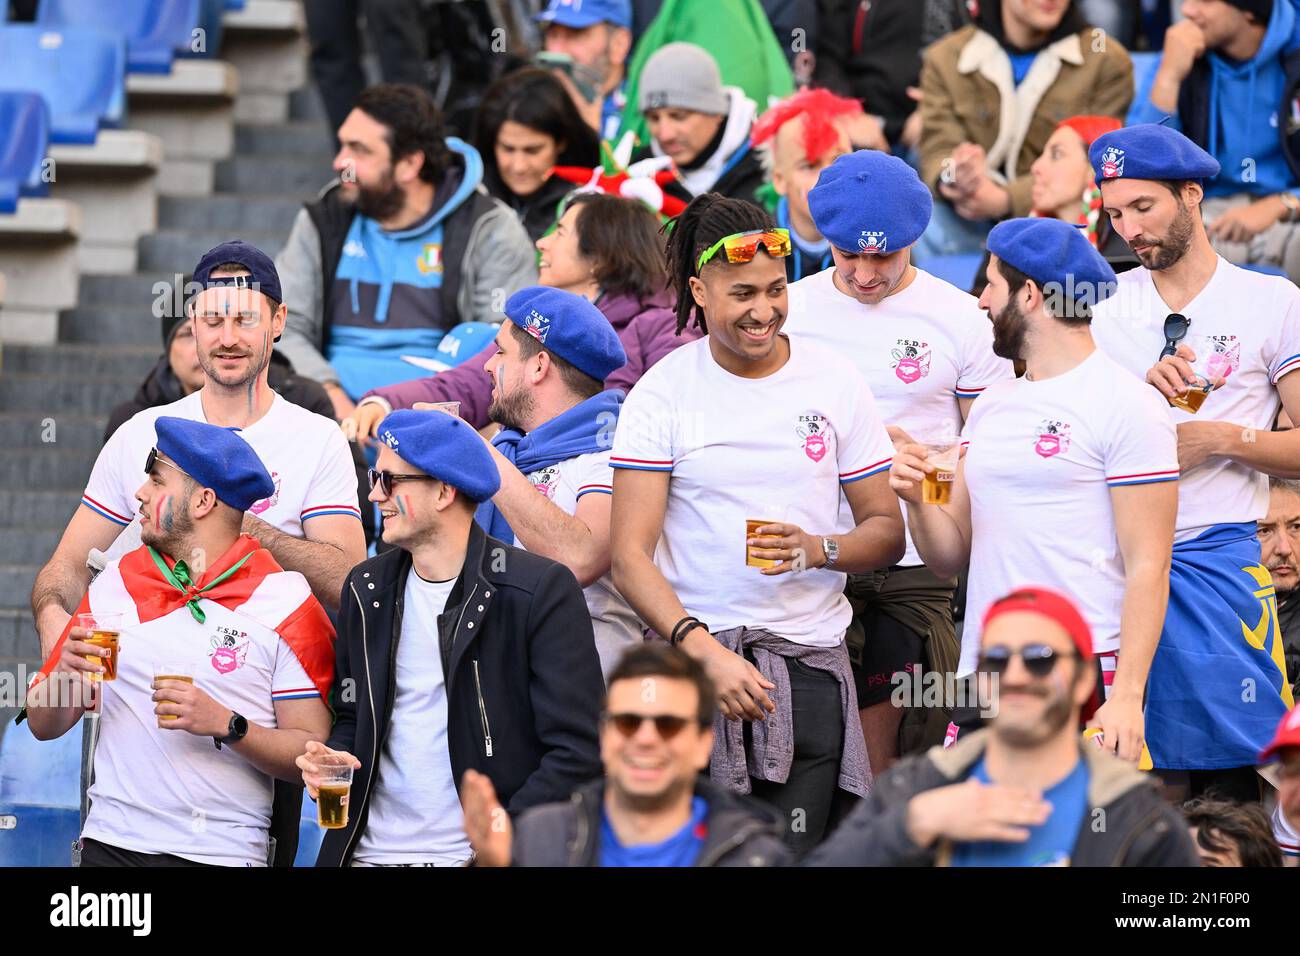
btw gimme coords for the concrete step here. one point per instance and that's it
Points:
(38, 430)
(16, 582)
(308, 139)
(48, 467)
(177, 249)
(259, 174)
(232, 213)
(28, 545)
(18, 641)
(42, 393)
(305, 104)
(112, 325)
(64, 359)
(38, 509)
(140, 290)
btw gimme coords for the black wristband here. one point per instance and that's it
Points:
(683, 627)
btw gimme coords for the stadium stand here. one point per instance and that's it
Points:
(78, 71)
(26, 121)
(155, 30)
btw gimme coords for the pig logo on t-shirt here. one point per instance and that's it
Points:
(545, 481)
(911, 360)
(1053, 438)
(229, 648)
(814, 430)
(257, 507)
(1226, 358)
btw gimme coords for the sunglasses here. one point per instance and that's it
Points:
(386, 479)
(1176, 327)
(156, 459)
(666, 725)
(741, 247)
(1039, 659)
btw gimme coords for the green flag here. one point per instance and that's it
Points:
(737, 35)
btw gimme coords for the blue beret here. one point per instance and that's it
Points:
(1149, 151)
(568, 326)
(870, 202)
(1051, 251)
(445, 447)
(217, 458)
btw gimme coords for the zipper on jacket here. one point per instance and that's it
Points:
(859, 25)
(725, 847)
(482, 711)
(374, 745)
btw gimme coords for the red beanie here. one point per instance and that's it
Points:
(1090, 127)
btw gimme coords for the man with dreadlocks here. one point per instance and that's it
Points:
(795, 140)
(253, 663)
(745, 431)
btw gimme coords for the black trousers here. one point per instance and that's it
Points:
(809, 796)
(94, 853)
(397, 35)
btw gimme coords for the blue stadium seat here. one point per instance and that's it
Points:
(40, 788)
(24, 137)
(959, 269)
(210, 14)
(234, 4)
(81, 73)
(154, 29)
(1264, 269)
(1144, 64)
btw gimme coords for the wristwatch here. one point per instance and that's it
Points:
(1292, 204)
(236, 732)
(832, 549)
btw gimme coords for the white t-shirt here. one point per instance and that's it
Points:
(919, 350)
(306, 454)
(1043, 457)
(415, 814)
(169, 791)
(774, 448)
(1256, 321)
(616, 625)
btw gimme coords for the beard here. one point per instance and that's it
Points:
(235, 379)
(167, 533)
(1170, 250)
(1009, 327)
(382, 201)
(1056, 715)
(512, 409)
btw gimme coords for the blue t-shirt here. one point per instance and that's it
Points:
(1049, 844)
(1020, 64)
(680, 849)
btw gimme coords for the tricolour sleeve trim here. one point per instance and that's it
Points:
(321, 510)
(641, 464)
(967, 391)
(873, 469)
(595, 489)
(295, 693)
(1142, 478)
(1287, 365)
(106, 512)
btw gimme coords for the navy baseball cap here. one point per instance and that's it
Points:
(580, 14)
(262, 275)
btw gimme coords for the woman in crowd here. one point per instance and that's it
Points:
(525, 127)
(744, 430)
(1064, 188)
(605, 248)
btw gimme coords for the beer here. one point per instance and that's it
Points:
(161, 677)
(936, 488)
(751, 530)
(104, 638)
(332, 805)
(1191, 400)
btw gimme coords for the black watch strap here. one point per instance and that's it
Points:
(236, 731)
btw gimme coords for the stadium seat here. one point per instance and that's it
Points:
(1144, 64)
(40, 797)
(234, 4)
(80, 73)
(1264, 269)
(959, 269)
(154, 29)
(209, 28)
(24, 136)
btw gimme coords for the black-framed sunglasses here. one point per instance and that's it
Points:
(1039, 659)
(386, 479)
(667, 726)
(1176, 326)
(156, 459)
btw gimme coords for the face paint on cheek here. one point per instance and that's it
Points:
(165, 517)
(401, 505)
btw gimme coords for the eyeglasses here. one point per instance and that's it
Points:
(157, 459)
(386, 479)
(666, 725)
(741, 247)
(1039, 659)
(1176, 327)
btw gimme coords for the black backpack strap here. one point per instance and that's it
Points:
(332, 218)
